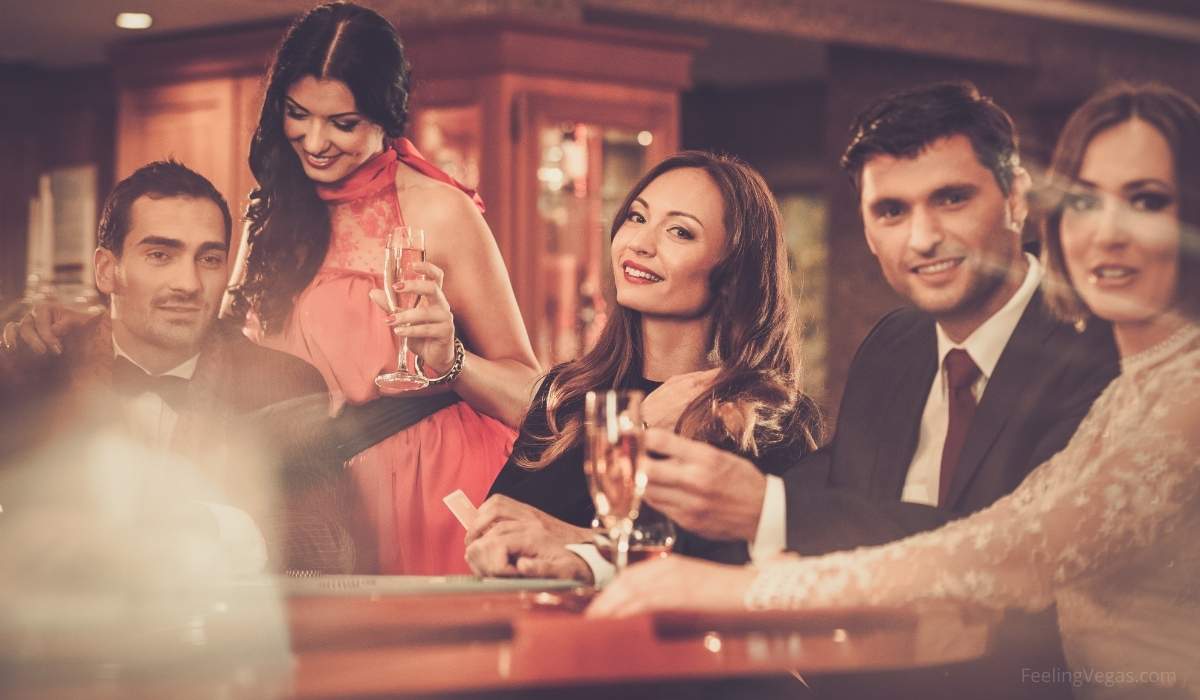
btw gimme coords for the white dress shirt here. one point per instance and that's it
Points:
(603, 571)
(985, 346)
(147, 414)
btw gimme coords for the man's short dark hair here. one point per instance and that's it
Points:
(163, 178)
(902, 124)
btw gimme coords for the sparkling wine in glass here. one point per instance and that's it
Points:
(613, 447)
(405, 247)
(653, 537)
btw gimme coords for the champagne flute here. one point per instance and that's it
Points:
(405, 248)
(613, 447)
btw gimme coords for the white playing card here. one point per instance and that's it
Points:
(461, 507)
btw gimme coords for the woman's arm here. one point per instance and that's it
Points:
(1127, 479)
(500, 370)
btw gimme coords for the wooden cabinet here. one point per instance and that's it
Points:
(552, 123)
(565, 121)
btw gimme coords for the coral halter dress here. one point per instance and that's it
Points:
(399, 483)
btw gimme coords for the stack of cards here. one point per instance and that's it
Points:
(461, 507)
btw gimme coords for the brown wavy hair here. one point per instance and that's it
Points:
(1177, 117)
(755, 401)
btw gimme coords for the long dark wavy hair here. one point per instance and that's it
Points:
(289, 226)
(756, 400)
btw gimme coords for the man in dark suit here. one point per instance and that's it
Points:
(943, 205)
(950, 403)
(157, 365)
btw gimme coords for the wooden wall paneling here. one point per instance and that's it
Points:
(216, 53)
(18, 177)
(193, 122)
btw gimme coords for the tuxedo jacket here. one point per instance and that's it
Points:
(234, 381)
(233, 377)
(848, 493)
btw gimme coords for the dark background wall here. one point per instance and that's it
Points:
(48, 119)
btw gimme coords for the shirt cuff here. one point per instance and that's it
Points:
(770, 538)
(602, 570)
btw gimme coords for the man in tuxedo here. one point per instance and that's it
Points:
(157, 365)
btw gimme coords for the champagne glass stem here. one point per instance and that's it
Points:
(402, 361)
(623, 533)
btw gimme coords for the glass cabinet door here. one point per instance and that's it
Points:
(587, 158)
(583, 174)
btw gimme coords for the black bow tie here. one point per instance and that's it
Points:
(131, 380)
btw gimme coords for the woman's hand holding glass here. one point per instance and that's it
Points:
(429, 325)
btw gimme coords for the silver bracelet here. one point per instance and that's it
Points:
(456, 367)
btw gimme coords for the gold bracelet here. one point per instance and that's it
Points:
(456, 367)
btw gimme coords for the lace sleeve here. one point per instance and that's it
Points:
(1128, 476)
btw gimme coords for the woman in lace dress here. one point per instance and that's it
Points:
(335, 178)
(1107, 528)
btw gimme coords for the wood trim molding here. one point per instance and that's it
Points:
(520, 46)
(224, 53)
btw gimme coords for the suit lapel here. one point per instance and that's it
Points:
(914, 366)
(92, 362)
(1022, 358)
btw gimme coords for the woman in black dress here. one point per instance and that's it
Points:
(705, 324)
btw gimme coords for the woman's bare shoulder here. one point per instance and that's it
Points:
(443, 210)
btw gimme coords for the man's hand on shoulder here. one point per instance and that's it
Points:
(663, 406)
(42, 328)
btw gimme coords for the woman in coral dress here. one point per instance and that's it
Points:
(335, 179)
